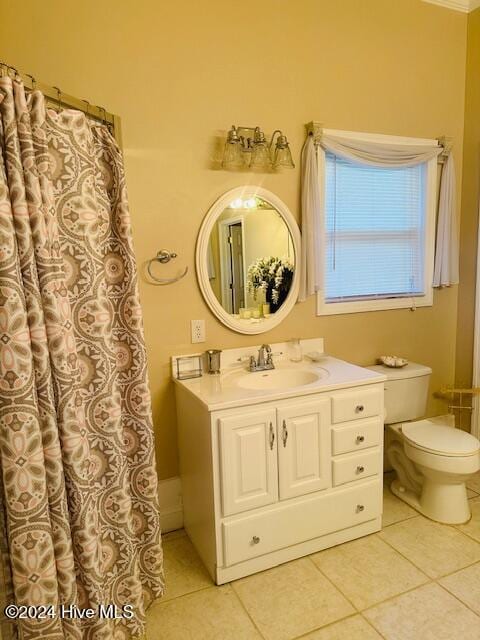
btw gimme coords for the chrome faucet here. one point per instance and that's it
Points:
(264, 361)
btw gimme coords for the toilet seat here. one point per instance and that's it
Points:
(438, 439)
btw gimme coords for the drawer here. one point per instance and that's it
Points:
(359, 403)
(285, 525)
(356, 466)
(356, 436)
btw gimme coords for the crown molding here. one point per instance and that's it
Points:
(465, 6)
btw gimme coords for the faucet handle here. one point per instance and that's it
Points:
(253, 363)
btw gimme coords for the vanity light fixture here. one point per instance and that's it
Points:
(247, 147)
(247, 203)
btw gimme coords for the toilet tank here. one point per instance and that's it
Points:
(406, 391)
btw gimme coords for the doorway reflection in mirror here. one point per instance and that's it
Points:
(250, 259)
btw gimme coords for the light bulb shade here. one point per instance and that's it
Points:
(283, 157)
(260, 158)
(232, 156)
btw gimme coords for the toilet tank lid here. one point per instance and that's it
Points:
(411, 370)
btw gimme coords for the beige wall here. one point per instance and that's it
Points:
(180, 73)
(470, 194)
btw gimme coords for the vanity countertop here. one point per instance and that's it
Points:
(225, 390)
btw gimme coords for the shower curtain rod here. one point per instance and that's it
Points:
(55, 96)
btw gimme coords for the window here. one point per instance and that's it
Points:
(378, 235)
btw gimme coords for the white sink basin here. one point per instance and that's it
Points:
(280, 378)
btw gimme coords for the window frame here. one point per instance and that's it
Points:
(325, 308)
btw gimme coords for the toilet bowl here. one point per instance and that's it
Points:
(432, 460)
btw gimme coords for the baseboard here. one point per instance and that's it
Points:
(171, 505)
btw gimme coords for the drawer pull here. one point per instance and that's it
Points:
(359, 408)
(360, 469)
(255, 540)
(271, 436)
(284, 433)
(360, 439)
(360, 507)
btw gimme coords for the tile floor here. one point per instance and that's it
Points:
(414, 580)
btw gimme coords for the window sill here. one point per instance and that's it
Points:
(363, 306)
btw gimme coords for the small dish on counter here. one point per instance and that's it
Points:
(393, 361)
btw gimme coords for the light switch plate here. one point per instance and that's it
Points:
(198, 331)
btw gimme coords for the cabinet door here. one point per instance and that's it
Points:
(248, 459)
(304, 448)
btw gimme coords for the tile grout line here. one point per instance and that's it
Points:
(403, 555)
(325, 626)
(332, 583)
(398, 595)
(245, 609)
(467, 534)
(457, 598)
(360, 611)
(370, 624)
(398, 521)
(184, 595)
(447, 575)
(433, 578)
(429, 581)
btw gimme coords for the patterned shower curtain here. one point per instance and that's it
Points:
(76, 440)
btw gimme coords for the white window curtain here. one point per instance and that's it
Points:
(311, 262)
(378, 155)
(446, 250)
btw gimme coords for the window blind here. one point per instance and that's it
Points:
(374, 230)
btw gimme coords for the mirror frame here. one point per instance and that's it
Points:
(201, 260)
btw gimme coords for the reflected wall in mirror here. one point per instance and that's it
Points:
(247, 259)
(251, 257)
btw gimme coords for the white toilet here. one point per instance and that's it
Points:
(431, 458)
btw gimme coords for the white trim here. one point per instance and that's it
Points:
(456, 5)
(411, 302)
(223, 257)
(475, 422)
(230, 321)
(465, 6)
(171, 505)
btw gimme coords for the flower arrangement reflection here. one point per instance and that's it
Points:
(272, 277)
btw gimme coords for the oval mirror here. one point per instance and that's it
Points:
(247, 259)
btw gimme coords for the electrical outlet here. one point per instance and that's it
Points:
(198, 331)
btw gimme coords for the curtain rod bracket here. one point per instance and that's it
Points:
(447, 143)
(314, 129)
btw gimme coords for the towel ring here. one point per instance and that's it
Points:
(164, 256)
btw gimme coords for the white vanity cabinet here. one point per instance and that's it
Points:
(303, 445)
(269, 482)
(248, 460)
(273, 454)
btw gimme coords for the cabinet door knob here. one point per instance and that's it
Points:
(360, 439)
(271, 436)
(359, 408)
(360, 507)
(360, 469)
(255, 540)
